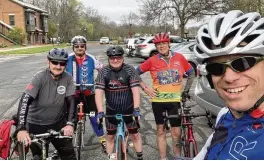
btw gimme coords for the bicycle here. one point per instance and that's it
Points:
(42, 140)
(188, 142)
(121, 138)
(80, 128)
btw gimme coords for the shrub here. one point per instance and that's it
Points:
(17, 35)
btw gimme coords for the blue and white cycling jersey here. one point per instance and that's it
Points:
(83, 73)
(240, 139)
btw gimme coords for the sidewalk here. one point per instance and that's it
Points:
(25, 47)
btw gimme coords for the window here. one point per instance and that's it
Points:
(12, 20)
(35, 20)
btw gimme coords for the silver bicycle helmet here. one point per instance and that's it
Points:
(211, 40)
(78, 40)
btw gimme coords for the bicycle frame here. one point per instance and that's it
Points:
(121, 132)
(78, 144)
(187, 137)
(42, 140)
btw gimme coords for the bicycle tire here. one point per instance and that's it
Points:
(192, 152)
(78, 142)
(21, 151)
(183, 148)
(120, 153)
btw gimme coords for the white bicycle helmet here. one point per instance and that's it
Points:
(78, 40)
(212, 37)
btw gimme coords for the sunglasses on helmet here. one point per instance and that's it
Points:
(58, 62)
(238, 65)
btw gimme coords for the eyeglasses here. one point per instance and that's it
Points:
(79, 46)
(58, 62)
(238, 65)
(115, 57)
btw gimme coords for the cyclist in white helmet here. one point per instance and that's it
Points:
(81, 66)
(232, 47)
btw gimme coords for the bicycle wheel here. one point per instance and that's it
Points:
(78, 145)
(192, 150)
(183, 148)
(120, 153)
(21, 151)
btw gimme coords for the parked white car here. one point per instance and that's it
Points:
(204, 95)
(104, 40)
(147, 48)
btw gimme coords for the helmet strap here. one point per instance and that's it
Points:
(256, 104)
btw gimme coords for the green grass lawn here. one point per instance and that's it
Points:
(33, 50)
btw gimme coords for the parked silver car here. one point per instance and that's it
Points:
(147, 48)
(204, 95)
(186, 49)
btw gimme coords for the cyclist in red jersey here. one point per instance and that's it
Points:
(167, 69)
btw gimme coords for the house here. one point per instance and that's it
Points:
(31, 19)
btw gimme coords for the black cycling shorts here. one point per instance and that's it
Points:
(88, 103)
(111, 123)
(171, 108)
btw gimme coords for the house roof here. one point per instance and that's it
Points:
(27, 5)
(8, 26)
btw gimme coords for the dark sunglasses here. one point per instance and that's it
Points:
(238, 65)
(115, 57)
(58, 62)
(79, 46)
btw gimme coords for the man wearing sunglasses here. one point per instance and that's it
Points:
(231, 46)
(48, 103)
(120, 83)
(81, 66)
(167, 69)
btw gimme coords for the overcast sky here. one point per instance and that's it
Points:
(113, 9)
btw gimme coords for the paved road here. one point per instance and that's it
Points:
(17, 71)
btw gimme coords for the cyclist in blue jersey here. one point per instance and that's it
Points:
(81, 66)
(232, 47)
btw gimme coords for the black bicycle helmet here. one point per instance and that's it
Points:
(78, 40)
(58, 54)
(115, 51)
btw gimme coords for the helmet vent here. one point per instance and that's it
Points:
(218, 25)
(247, 28)
(248, 39)
(261, 27)
(239, 22)
(205, 31)
(199, 50)
(207, 42)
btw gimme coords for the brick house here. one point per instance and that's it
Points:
(31, 19)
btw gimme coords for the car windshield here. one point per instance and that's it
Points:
(104, 38)
(140, 41)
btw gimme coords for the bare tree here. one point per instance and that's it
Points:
(166, 11)
(129, 20)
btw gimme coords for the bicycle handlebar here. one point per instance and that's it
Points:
(50, 134)
(115, 116)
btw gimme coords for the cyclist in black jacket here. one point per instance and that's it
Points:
(48, 103)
